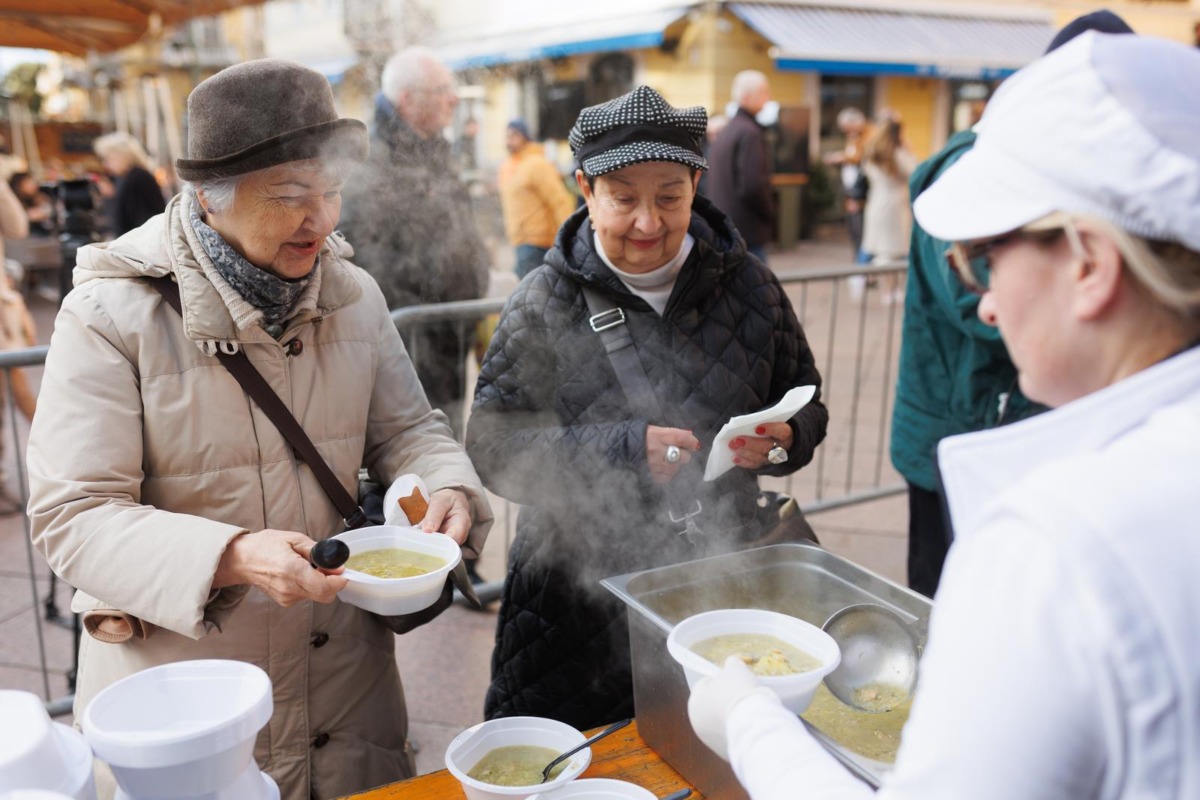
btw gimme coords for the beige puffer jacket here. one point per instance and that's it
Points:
(146, 458)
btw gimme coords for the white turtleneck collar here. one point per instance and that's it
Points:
(655, 286)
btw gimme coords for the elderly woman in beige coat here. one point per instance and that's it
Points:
(163, 493)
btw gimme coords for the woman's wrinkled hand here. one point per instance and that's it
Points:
(658, 440)
(276, 562)
(449, 513)
(750, 452)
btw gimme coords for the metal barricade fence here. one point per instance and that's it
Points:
(855, 339)
(834, 307)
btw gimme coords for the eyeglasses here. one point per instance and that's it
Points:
(972, 262)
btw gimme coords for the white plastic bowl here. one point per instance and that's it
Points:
(182, 729)
(795, 691)
(37, 755)
(476, 742)
(390, 596)
(598, 789)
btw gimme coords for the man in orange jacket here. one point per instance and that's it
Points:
(533, 196)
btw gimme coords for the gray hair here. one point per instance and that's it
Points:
(121, 143)
(406, 70)
(746, 83)
(219, 192)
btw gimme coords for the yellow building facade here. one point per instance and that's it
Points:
(817, 54)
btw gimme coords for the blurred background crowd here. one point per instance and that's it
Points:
(917, 72)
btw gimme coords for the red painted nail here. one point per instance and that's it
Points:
(760, 430)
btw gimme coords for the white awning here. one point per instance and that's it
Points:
(624, 32)
(848, 40)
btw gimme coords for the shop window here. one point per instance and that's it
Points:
(839, 92)
(610, 76)
(559, 105)
(967, 99)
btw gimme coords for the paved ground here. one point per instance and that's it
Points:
(446, 664)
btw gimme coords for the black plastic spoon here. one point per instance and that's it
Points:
(329, 554)
(616, 726)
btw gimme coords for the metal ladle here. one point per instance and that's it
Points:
(879, 648)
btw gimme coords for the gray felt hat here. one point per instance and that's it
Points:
(262, 113)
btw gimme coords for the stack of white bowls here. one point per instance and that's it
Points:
(40, 758)
(184, 730)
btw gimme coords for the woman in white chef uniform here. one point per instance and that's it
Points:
(1064, 647)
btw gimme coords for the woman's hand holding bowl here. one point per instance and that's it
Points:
(750, 452)
(664, 462)
(277, 563)
(449, 513)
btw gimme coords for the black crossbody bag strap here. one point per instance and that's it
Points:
(266, 399)
(608, 321)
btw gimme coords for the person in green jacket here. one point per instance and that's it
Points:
(955, 374)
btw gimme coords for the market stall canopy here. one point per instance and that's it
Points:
(850, 40)
(83, 26)
(597, 35)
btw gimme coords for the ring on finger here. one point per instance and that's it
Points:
(777, 455)
(673, 454)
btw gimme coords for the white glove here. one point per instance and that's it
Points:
(713, 699)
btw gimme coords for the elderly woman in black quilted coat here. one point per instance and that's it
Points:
(604, 479)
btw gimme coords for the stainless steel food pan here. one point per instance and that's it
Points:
(798, 579)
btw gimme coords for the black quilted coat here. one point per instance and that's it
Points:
(551, 430)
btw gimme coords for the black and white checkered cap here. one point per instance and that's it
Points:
(637, 127)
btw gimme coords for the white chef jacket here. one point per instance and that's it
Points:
(1064, 646)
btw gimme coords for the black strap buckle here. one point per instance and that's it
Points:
(356, 520)
(684, 517)
(599, 323)
(691, 530)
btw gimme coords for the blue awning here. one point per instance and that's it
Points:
(845, 40)
(627, 32)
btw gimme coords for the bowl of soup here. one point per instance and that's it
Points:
(503, 759)
(787, 655)
(395, 569)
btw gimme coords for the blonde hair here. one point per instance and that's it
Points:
(882, 144)
(1168, 272)
(121, 143)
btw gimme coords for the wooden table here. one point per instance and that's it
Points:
(623, 755)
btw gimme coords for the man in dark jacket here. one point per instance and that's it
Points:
(739, 179)
(408, 216)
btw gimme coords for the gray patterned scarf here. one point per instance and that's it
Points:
(272, 295)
